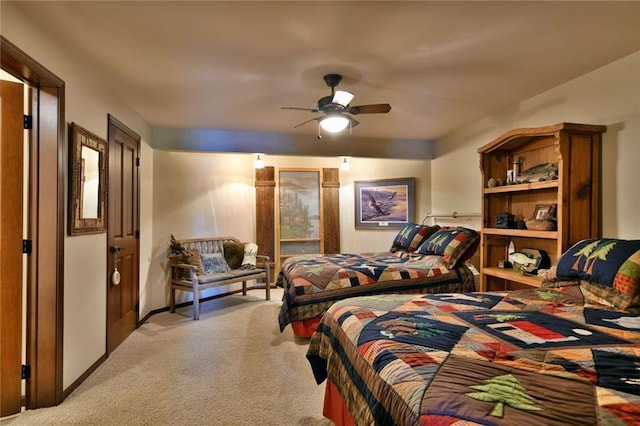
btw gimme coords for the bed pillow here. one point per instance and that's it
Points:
(608, 268)
(411, 236)
(452, 244)
(214, 263)
(250, 256)
(233, 253)
(473, 248)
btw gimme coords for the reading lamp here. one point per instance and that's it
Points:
(345, 164)
(258, 163)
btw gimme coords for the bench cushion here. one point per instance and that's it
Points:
(204, 279)
(246, 272)
(234, 273)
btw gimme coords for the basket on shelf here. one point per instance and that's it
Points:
(540, 224)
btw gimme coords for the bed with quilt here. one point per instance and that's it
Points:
(422, 259)
(567, 353)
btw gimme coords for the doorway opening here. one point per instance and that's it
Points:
(44, 227)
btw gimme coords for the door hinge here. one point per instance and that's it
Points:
(26, 371)
(137, 161)
(27, 122)
(27, 246)
(137, 234)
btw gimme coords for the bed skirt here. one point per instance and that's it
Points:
(305, 328)
(334, 408)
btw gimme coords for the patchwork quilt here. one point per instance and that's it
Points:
(314, 282)
(535, 356)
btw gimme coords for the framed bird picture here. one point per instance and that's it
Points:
(384, 203)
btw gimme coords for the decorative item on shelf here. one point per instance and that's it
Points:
(510, 177)
(504, 264)
(545, 211)
(544, 218)
(505, 220)
(516, 168)
(520, 222)
(541, 225)
(538, 173)
(529, 261)
(493, 182)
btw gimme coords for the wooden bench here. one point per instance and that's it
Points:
(185, 277)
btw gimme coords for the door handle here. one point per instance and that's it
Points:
(115, 249)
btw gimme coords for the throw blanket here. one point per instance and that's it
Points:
(536, 356)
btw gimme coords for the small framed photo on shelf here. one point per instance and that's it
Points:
(510, 177)
(545, 211)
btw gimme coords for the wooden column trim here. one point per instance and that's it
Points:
(265, 213)
(331, 209)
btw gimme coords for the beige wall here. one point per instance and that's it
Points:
(205, 194)
(609, 96)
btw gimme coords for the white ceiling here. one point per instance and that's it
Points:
(441, 65)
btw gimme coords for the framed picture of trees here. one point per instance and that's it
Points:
(299, 211)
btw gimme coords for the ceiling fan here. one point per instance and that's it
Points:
(336, 108)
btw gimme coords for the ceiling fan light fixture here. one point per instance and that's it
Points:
(334, 123)
(342, 97)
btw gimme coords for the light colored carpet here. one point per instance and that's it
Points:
(233, 367)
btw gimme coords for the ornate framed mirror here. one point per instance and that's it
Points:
(88, 162)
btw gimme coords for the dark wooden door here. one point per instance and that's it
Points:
(123, 234)
(11, 213)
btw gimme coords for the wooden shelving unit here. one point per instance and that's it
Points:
(575, 148)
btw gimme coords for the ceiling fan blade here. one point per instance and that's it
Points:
(370, 109)
(354, 122)
(301, 109)
(305, 122)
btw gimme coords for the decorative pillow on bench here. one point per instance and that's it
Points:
(214, 263)
(250, 256)
(190, 257)
(233, 254)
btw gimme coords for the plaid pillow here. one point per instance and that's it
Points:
(452, 244)
(411, 236)
(609, 268)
